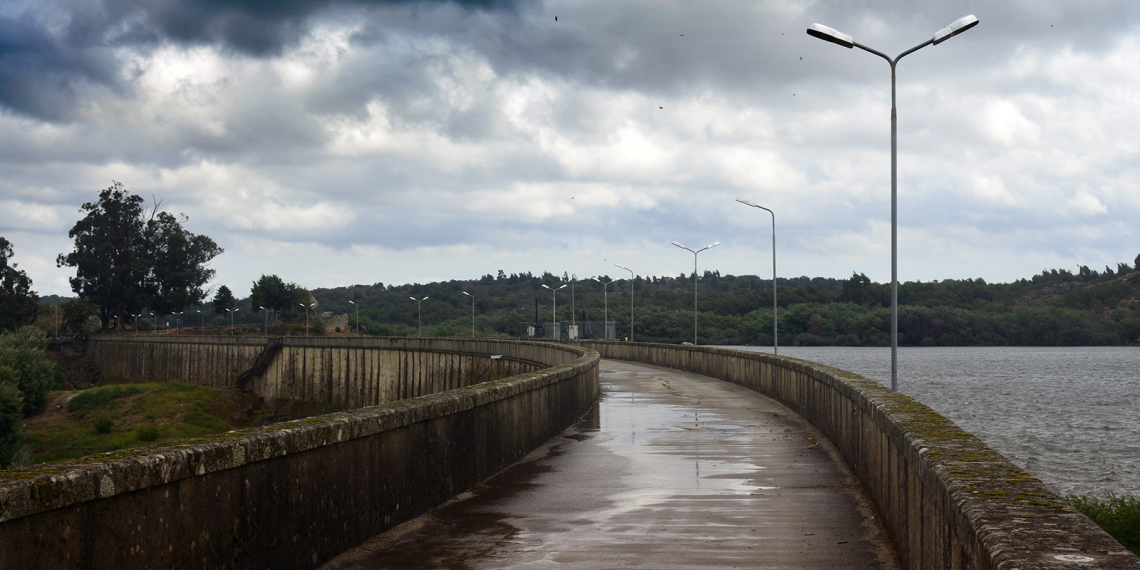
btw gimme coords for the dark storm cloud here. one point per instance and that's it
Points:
(45, 68)
(42, 75)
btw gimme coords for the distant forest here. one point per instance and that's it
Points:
(1054, 308)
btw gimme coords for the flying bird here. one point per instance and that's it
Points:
(556, 18)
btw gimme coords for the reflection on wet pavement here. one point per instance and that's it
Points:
(668, 470)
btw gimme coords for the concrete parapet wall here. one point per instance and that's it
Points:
(947, 499)
(356, 372)
(295, 494)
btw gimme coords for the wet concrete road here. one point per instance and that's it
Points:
(669, 470)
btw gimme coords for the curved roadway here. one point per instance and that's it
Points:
(669, 470)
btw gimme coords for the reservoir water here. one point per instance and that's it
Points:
(1068, 415)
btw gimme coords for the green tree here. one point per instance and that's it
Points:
(224, 300)
(24, 365)
(177, 260)
(271, 292)
(76, 314)
(11, 424)
(17, 300)
(110, 254)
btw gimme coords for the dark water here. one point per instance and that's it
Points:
(1069, 415)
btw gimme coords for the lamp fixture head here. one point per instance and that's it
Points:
(956, 27)
(831, 35)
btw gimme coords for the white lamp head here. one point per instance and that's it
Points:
(958, 26)
(831, 35)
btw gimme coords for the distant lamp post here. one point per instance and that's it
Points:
(420, 317)
(557, 331)
(307, 307)
(830, 35)
(695, 283)
(472, 313)
(201, 320)
(177, 325)
(232, 312)
(631, 280)
(136, 324)
(266, 320)
(353, 303)
(606, 301)
(775, 341)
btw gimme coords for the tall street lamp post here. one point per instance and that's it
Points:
(201, 321)
(775, 327)
(307, 307)
(606, 301)
(695, 283)
(353, 303)
(631, 280)
(828, 34)
(260, 308)
(420, 317)
(232, 311)
(472, 313)
(177, 322)
(557, 331)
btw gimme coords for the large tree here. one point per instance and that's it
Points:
(177, 261)
(124, 261)
(17, 300)
(272, 292)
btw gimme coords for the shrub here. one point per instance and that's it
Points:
(96, 397)
(1118, 516)
(146, 433)
(11, 423)
(24, 365)
(103, 425)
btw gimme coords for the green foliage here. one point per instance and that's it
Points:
(1118, 516)
(224, 300)
(271, 292)
(11, 424)
(96, 398)
(24, 365)
(185, 411)
(18, 303)
(124, 261)
(318, 324)
(103, 424)
(146, 433)
(76, 314)
(177, 261)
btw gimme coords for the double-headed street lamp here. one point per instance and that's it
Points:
(606, 301)
(307, 307)
(232, 311)
(695, 283)
(828, 34)
(177, 324)
(557, 331)
(631, 280)
(420, 318)
(775, 327)
(472, 313)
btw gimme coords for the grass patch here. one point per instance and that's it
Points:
(123, 416)
(1119, 516)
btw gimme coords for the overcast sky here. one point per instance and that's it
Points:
(334, 143)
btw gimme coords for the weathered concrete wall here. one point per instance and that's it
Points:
(291, 495)
(356, 372)
(947, 499)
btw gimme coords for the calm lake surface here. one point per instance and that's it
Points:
(1068, 415)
